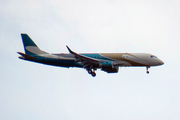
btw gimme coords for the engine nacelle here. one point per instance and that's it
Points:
(111, 70)
(106, 65)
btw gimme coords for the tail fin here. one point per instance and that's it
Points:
(30, 47)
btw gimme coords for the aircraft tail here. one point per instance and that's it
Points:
(30, 47)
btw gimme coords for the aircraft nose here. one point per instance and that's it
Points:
(161, 62)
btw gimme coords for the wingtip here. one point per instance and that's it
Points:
(23, 33)
(69, 49)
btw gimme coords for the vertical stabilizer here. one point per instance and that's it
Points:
(27, 41)
(30, 47)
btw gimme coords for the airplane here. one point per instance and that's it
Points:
(108, 62)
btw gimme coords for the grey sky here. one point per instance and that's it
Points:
(35, 91)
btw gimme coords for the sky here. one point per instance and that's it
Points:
(31, 91)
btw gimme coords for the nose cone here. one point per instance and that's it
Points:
(161, 62)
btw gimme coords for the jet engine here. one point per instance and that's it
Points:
(106, 65)
(111, 70)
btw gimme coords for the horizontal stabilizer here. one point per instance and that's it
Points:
(24, 56)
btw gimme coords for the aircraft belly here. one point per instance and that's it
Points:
(121, 63)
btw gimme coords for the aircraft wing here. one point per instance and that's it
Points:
(86, 61)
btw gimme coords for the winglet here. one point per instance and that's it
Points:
(69, 50)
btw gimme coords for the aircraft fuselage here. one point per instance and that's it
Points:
(108, 62)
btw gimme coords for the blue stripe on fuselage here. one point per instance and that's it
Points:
(96, 56)
(64, 62)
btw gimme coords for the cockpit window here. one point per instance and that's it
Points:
(152, 56)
